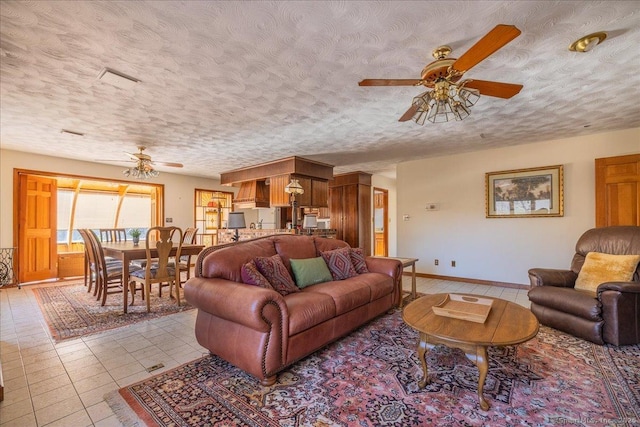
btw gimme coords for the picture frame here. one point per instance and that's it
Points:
(525, 193)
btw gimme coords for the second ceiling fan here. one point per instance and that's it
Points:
(450, 98)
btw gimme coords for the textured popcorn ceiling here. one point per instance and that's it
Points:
(232, 84)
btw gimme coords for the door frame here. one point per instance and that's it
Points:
(385, 219)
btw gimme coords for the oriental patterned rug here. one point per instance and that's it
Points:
(370, 379)
(70, 311)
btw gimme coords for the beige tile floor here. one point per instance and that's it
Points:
(63, 384)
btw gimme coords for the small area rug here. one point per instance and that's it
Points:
(70, 311)
(369, 378)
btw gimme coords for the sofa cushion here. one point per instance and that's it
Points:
(379, 283)
(307, 310)
(339, 263)
(310, 271)
(601, 268)
(252, 276)
(227, 262)
(358, 261)
(346, 294)
(277, 274)
(299, 247)
(324, 244)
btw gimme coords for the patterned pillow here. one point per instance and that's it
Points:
(251, 276)
(273, 269)
(339, 263)
(357, 258)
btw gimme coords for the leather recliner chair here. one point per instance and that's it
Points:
(611, 316)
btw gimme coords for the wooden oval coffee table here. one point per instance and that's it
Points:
(507, 324)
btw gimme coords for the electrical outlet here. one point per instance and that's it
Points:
(405, 217)
(436, 262)
(169, 220)
(453, 263)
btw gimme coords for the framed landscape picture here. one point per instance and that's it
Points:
(520, 193)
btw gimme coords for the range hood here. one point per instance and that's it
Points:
(252, 194)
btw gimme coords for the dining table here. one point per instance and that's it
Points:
(126, 251)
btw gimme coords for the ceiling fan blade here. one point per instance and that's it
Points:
(118, 160)
(497, 89)
(409, 113)
(134, 156)
(173, 165)
(491, 42)
(390, 82)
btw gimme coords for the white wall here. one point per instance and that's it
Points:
(498, 249)
(386, 183)
(179, 189)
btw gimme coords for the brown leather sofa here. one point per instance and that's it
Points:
(613, 314)
(261, 331)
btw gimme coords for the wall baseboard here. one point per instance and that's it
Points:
(468, 280)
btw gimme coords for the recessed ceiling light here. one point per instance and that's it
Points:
(117, 79)
(72, 132)
(586, 43)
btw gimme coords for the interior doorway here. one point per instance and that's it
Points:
(618, 190)
(381, 221)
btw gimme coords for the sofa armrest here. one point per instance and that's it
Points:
(624, 287)
(551, 277)
(237, 302)
(390, 267)
(620, 312)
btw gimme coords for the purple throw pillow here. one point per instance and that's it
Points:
(357, 258)
(339, 263)
(252, 276)
(273, 269)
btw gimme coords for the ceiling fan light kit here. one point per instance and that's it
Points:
(141, 171)
(143, 168)
(451, 99)
(446, 102)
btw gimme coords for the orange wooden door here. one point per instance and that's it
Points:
(37, 228)
(381, 222)
(618, 190)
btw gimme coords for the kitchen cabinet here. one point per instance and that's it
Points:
(315, 191)
(350, 209)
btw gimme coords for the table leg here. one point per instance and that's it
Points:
(147, 291)
(125, 281)
(413, 282)
(482, 363)
(422, 351)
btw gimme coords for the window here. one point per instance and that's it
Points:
(96, 205)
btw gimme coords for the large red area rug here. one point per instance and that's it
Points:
(370, 379)
(70, 311)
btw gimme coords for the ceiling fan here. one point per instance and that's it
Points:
(143, 168)
(450, 97)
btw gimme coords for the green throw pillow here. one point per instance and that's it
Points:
(310, 271)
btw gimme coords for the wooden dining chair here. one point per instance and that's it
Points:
(189, 237)
(113, 235)
(158, 269)
(90, 265)
(109, 274)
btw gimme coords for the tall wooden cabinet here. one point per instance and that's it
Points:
(350, 209)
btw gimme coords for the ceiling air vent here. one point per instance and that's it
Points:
(71, 132)
(117, 79)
